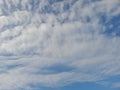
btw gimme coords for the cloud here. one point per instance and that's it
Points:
(117, 84)
(57, 43)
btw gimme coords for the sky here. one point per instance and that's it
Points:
(59, 44)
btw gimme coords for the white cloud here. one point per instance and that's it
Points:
(117, 85)
(33, 41)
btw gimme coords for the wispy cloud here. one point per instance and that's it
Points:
(55, 43)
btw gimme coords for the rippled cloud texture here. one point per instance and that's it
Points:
(53, 43)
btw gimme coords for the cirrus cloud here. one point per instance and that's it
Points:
(54, 43)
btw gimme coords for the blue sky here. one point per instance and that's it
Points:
(82, 86)
(59, 44)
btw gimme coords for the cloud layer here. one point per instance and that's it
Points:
(53, 43)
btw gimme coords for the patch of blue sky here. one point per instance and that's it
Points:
(53, 1)
(48, 8)
(60, 68)
(75, 86)
(34, 4)
(112, 25)
(113, 79)
(56, 69)
(14, 66)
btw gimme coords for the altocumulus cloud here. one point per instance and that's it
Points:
(53, 43)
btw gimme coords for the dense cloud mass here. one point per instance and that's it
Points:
(54, 43)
